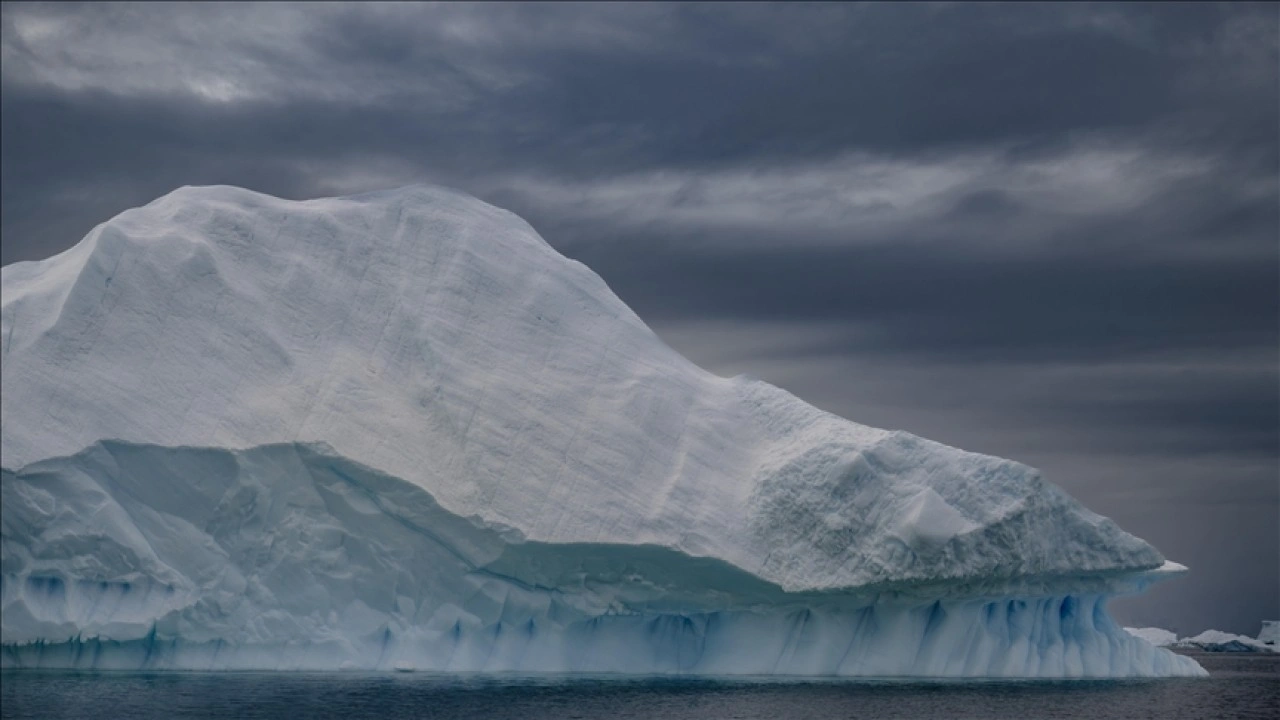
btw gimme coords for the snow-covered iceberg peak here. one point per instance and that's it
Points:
(427, 338)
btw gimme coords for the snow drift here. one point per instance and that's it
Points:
(400, 429)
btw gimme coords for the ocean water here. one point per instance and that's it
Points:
(1240, 686)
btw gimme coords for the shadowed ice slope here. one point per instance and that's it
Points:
(440, 341)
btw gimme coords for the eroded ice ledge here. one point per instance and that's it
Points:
(292, 557)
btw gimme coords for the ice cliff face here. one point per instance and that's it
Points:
(399, 427)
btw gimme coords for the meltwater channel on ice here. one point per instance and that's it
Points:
(399, 430)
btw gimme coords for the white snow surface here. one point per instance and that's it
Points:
(398, 424)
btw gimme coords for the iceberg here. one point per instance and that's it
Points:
(399, 431)
(1269, 635)
(1219, 641)
(1209, 640)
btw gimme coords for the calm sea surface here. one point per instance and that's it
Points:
(1241, 686)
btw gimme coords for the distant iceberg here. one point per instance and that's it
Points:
(1211, 640)
(399, 431)
(1270, 634)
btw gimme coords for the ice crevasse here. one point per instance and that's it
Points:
(400, 430)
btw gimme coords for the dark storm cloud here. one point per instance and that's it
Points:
(698, 89)
(938, 306)
(940, 302)
(1041, 231)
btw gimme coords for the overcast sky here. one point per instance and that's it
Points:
(1046, 232)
